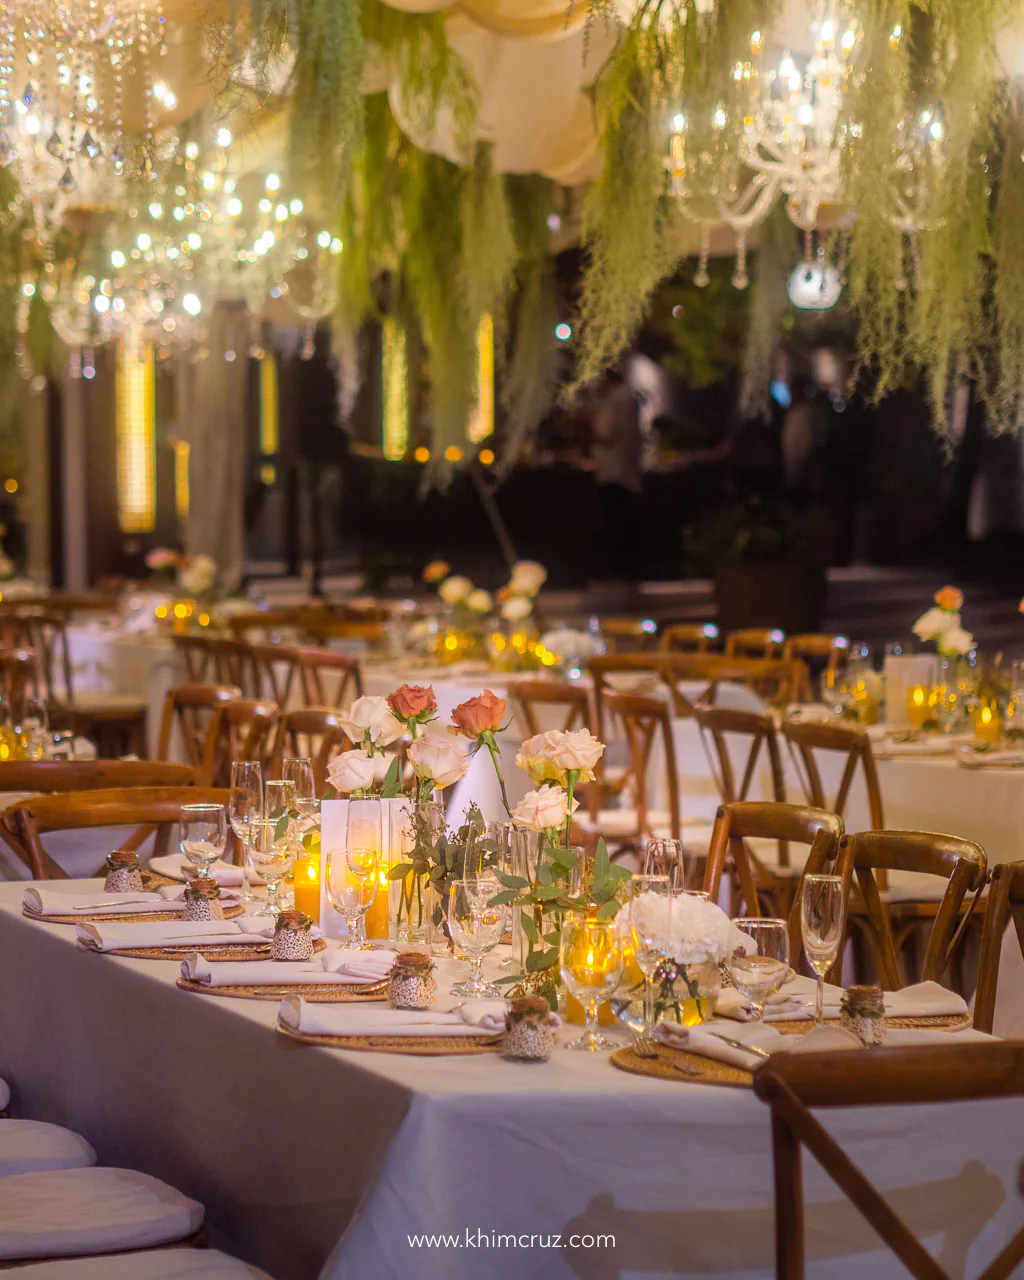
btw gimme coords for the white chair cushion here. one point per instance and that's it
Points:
(5, 1095)
(160, 1264)
(123, 703)
(87, 1211)
(31, 1146)
(766, 851)
(913, 886)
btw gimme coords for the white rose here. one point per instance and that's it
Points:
(454, 590)
(574, 647)
(542, 809)
(548, 757)
(516, 608)
(198, 575)
(369, 722)
(352, 771)
(955, 641)
(479, 601)
(437, 757)
(527, 577)
(934, 623)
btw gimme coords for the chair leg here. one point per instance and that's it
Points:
(789, 1202)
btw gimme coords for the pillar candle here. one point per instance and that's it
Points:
(307, 886)
(988, 725)
(917, 706)
(377, 916)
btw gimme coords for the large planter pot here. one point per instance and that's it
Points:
(787, 594)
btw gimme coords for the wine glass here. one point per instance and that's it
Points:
(202, 834)
(650, 928)
(761, 972)
(822, 924)
(476, 928)
(352, 882)
(364, 837)
(279, 797)
(272, 857)
(245, 805)
(299, 770)
(590, 960)
(670, 858)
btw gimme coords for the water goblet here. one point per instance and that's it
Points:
(202, 834)
(273, 856)
(590, 961)
(352, 882)
(476, 927)
(759, 973)
(822, 925)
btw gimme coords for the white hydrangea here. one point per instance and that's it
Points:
(688, 929)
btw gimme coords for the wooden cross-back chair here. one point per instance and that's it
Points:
(231, 662)
(192, 709)
(794, 1084)
(961, 863)
(825, 651)
(755, 642)
(643, 721)
(569, 700)
(329, 679)
(140, 807)
(776, 680)
(688, 637)
(320, 627)
(643, 669)
(275, 671)
(314, 732)
(740, 823)
(18, 678)
(1005, 908)
(628, 635)
(807, 739)
(243, 731)
(50, 777)
(265, 626)
(115, 722)
(196, 657)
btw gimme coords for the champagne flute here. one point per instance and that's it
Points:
(590, 960)
(352, 882)
(299, 770)
(279, 797)
(822, 925)
(476, 928)
(670, 858)
(272, 857)
(759, 973)
(363, 841)
(245, 805)
(650, 928)
(202, 834)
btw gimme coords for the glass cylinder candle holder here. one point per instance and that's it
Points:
(918, 710)
(124, 875)
(988, 723)
(293, 937)
(306, 873)
(202, 899)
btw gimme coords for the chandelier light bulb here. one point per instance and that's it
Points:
(223, 137)
(117, 258)
(234, 207)
(191, 303)
(273, 182)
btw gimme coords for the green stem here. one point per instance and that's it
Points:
(492, 747)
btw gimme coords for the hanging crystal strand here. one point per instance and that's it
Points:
(915, 257)
(843, 254)
(309, 341)
(8, 151)
(901, 280)
(702, 279)
(740, 279)
(118, 158)
(808, 244)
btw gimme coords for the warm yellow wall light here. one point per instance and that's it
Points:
(394, 379)
(182, 493)
(270, 420)
(481, 419)
(136, 438)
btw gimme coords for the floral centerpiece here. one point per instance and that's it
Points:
(694, 936)
(468, 607)
(516, 644)
(941, 625)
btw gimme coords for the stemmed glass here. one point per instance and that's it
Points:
(299, 771)
(476, 928)
(279, 797)
(590, 960)
(650, 927)
(352, 882)
(272, 857)
(822, 925)
(762, 972)
(202, 834)
(363, 845)
(670, 858)
(245, 806)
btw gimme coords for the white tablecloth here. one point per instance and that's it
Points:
(314, 1161)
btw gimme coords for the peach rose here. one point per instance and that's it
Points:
(479, 715)
(548, 757)
(413, 702)
(436, 570)
(950, 598)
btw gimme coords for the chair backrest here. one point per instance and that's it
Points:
(720, 728)
(243, 732)
(275, 671)
(744, 820)
(329, 679)
(642, 721)
(806, 739)
(688, 637)
(823, 650)
(628, 635)
(570, 699)
(263, 626)
(18, 677)
(48, 639)
(960, 862)
(1005, 906)
(793, 1083)
(192, 710)
(231, 662)
(320, 627)
(646, 667)
(196, 656)
(28, 820)
(754, 642)
(314, 732)
(776, 680)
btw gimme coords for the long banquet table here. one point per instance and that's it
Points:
(315, 1161)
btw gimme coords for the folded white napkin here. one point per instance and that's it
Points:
(174, 933)
(708, 1043)
(174, 895)
(55, 902)
(329, 967)
(795, 1002)
(936, 745)
(970, 758)
(474, 1018)
(173, 866)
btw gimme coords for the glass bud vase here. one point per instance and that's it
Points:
(684, 994)
(412, 900)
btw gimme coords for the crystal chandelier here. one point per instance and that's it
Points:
(64, 70)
